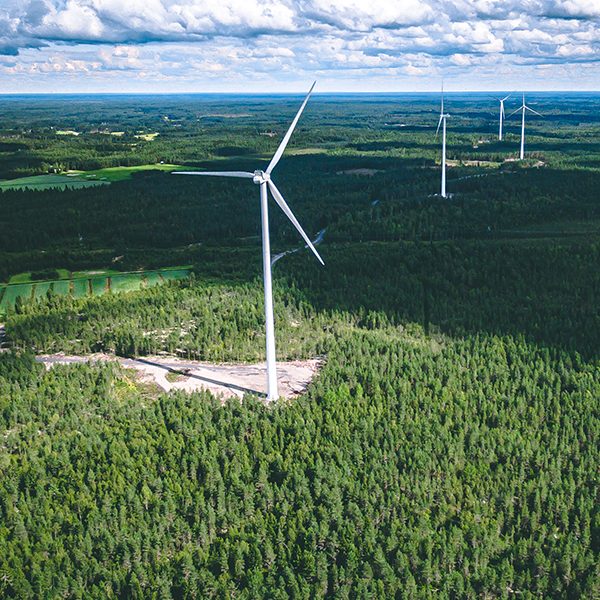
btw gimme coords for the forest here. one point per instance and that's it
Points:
(447, 448)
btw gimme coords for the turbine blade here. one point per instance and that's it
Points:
(242, 174)
(515, 111)
(503, 112)
(288, 135)
(533, 111)
(438, 127)
(505, 98)
(290, 215)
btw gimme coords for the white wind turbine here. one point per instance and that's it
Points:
(263, 179)
(523, 108)
(502, 115)
(442, 122)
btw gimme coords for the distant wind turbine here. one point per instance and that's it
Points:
(502, 115)
(442, 122)
(523, 108)
(263, 179)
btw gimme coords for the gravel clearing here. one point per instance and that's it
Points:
(225, 380)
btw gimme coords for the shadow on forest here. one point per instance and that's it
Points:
(463, 288)
(540, 285)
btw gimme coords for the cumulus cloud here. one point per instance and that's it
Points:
(358, 15)
(574, 9)
(212, 38)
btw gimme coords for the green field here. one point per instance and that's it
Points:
(27, 277)
(62, 287)
(152, 278)
(125, 283)
(175, 274)
(81, 288)
(12, 292)
(48, 182)
(98, 285)
(20, 278)
(80, 179)
(79, 285)
(122, 173)
(40, 289)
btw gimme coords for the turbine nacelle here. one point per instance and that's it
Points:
(261, 177)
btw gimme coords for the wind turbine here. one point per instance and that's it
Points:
(502, 115)
(523, 108)
(263, 179)
(442, 122)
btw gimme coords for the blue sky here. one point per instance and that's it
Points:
(282, 45)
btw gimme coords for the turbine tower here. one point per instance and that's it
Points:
(502, 115)
(523, 108)
(442, 122)
(263, 179)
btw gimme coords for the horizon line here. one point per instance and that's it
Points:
(300, 92)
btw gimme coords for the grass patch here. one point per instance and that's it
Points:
(81, 179)
(147, 137)
(175, 274)
(82, 281)
(112, 174)
(93, 273)
(81, 288)
(153, 278)
(29, 276)
(20, 278)
(47, 182)
(172, 377)
(98, 285)
(12, 292)
(62, 287)
(40, 289)
(126, 283)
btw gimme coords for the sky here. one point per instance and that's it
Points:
(271, 46)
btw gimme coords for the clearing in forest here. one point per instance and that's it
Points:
(225, 380)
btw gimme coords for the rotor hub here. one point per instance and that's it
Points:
(260, 177)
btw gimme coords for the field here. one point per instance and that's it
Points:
(47, 182)
(74, 179)
(79, 286)
(153, 278)
(12, 292)
(112, 174)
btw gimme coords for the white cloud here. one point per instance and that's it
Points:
(580, 9)
(361, 15)
(75, 21)
(183, 40)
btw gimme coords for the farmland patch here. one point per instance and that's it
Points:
(79, 285)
